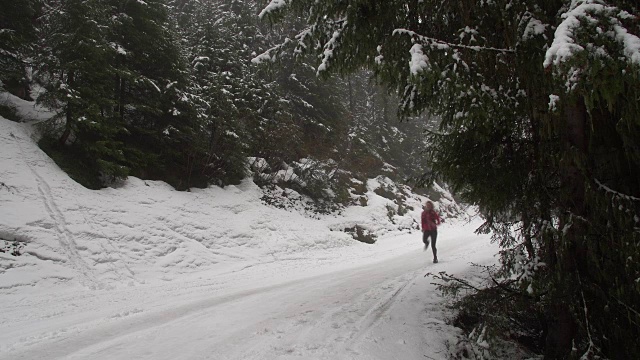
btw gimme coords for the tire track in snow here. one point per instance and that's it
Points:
(79, 339)
(353, 307)
(64, 235)
(112, 340)
(342, 314)
(375, 315)
(338, 313)
(365, 312)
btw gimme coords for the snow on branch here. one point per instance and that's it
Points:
(271, 54)
(630, 42)
(264, 57)
(533, 28)
(443, 45)
(274, 5)
(148, 81)
(616, 193)
(563, 46)
(595, 13)
(302, 37)
(419, 61)
(330, 46)
(9, 54)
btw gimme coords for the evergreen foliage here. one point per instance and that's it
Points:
(226, 90)
(151, 80)
(538, 104)
(115, 75)
(167, 90)
(17, 34)
(75, 68)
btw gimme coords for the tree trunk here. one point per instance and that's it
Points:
(572, 254)
(121, 98)
(528, 243)
(385, 106)
(351, 104)
(69, 114)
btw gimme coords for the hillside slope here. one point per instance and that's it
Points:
(146, 231)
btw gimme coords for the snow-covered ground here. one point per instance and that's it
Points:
(146, 272)
(344, 308)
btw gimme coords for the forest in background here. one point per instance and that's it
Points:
(166, 90)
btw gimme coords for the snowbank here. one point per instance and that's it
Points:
(145, 231)
(142, 231)
(27, 110)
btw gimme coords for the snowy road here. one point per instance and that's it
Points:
(343, 309)
(146, 272)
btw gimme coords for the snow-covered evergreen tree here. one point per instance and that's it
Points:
(166, 89)
(17, 34)
(150, 84)
(116, 74)
(539, 126)
(74, 64)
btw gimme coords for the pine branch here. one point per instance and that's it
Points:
(615, 193)
(443, 45)
(446, 277)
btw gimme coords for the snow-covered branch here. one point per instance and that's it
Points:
(271, 54)
(604, 18)
(330, 46)
(419, 61)
(274, 5)
(615, 193)
(443, 45)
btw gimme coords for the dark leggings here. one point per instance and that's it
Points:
(425, 239)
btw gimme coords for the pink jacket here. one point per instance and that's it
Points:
(430, 220)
